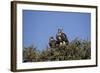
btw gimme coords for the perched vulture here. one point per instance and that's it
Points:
(61, 38)
(52, 42)
(64, 38)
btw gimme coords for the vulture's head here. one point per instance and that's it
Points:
(51, 39)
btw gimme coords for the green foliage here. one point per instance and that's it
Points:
(75, 50)
(30, 54)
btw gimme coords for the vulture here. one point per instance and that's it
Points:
(61, 38)
(52, 42)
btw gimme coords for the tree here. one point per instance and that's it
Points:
(30, 54)
(75, 50)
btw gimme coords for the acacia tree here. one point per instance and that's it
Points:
(75, 50)
(30, 54)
